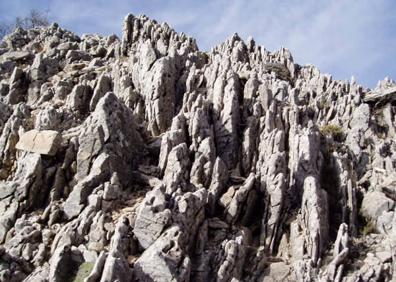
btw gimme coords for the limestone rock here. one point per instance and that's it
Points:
(164, 260)
(374, 204)
(116, 266)
(15, 55)
(234, 204)
(142, 158)
(45, 142)
(152, 217)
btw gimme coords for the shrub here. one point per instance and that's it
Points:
(368, 228)
(83, 271)
(332, 130)
(34, 19)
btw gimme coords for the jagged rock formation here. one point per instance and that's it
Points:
(145, 159)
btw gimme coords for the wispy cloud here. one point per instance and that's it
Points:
(341, 37)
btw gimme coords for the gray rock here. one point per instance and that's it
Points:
(152, 217)
(176, 171)
(79, 195)
(233, 206)
(116, 267)
(164, 260)
(235, 164)
(17, 92)
(45, 142)
(375, 204)
(219, 179)
(111, 129)
(79, 98)
(48, 119)
(16, 55)
(231, 266)
(103, 86)
(278, 271)
(60, 264)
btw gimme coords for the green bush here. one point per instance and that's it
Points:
(83, 271)
(368, 228)
(332, 130)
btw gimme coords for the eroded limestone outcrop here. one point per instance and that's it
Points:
(146, 159)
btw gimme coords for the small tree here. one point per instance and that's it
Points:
(4, 29)
(332, 130)
(34, 19)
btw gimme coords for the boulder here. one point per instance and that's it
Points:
(374, 204)
(164, 260)
(45, 142)
(152, 217)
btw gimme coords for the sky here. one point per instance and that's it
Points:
(342, 37)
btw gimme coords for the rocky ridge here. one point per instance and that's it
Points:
(145, 159)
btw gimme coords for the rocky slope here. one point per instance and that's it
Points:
(145, 159)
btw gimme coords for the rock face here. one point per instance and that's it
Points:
(46, 142)
(145, 159)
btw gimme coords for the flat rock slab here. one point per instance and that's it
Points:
(45, 142)
(385, 95)
(15, 55)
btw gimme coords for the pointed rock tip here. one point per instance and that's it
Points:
(129, 17)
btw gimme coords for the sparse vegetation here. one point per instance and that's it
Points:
(332, 130)
(4, 29)
(368, 228)
(83, 271)
(34, 19)
(368, 142)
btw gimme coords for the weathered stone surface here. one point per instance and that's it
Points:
(78, 197)
(152, 217)
(15, 55)
(176, 171)
(164, 260)
(103, 86)
(111, 129)
(45, 142)
(78, 99)
(278, 271)
(234, 202)
(116, 267)
(385, 95)
(374, 204)
(145, 159)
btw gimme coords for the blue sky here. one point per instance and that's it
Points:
(341, 37)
